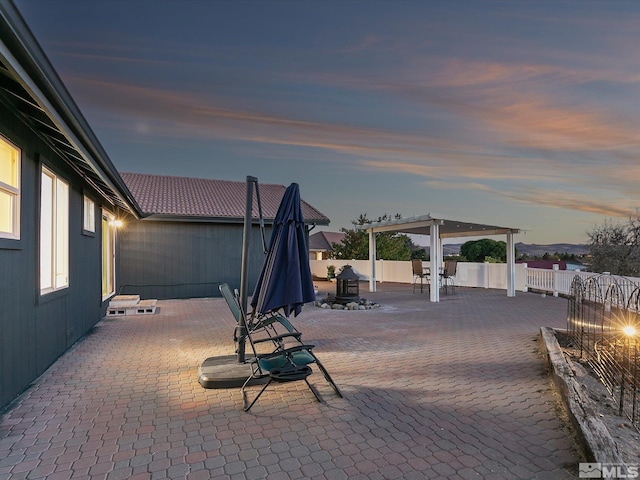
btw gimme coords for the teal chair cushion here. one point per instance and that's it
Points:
(302, 357)
(273, 363)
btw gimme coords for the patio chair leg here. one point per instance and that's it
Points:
(327, 377)
(244, 395)
(313, 390)
(448, 282)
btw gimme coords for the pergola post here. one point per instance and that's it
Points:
(511, 266)
(435, 255)
(372, 257)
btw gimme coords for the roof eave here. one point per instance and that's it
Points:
(163, 217)
(35, 73)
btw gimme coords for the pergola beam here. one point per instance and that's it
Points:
(478, 233)
(397, 227)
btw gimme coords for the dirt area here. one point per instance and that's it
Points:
(626, 436)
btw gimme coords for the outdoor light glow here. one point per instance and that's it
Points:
(629, 331)
(117, 223)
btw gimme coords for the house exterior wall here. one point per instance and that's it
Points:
(170, 259)
(34, 329)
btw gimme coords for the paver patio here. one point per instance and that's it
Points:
(453, 390)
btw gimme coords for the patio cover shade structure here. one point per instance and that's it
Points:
(439, 227)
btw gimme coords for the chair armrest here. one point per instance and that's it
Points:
(275, 338)
(284, 352)
(297, 348)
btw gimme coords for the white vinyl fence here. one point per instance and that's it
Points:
(482, 275)
(479, 275)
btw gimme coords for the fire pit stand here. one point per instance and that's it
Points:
(347, 286)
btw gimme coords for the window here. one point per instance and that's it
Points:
(108, 225)
(89, 215)
(54, 232)
(9, 190)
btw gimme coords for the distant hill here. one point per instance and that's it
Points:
(532, 249)
(538, 250)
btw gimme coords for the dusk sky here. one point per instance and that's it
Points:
(519, 114)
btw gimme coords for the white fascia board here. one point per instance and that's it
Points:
(479, 233)
(399, 227)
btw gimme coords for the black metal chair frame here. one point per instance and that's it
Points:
(283, 363)
(286, 372)
(273, 325)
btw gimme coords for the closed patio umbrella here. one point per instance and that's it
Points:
(285, 280)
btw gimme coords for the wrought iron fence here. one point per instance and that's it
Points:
(603, 320)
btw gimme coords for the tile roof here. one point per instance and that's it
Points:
(161, 195)
(324, 240)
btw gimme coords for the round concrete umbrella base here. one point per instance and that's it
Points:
(226, 372)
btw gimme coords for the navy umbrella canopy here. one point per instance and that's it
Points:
(285, 280)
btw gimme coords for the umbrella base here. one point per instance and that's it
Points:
(225, 372)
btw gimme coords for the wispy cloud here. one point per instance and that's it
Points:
(446, 118)
(202, 116)
(515, 131)
(561, 198)
(567, 200)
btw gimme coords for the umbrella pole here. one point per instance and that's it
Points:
(241, 329)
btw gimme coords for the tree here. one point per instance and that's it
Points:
(419, 253)
(484, 249)
(355, 244)
(389, 245)
(615, 248)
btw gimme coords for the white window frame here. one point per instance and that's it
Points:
(88, 215)
(108, 228)
(54, 232)
(12, 190)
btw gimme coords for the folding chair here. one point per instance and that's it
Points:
(281, 363)
(279, 330)
(234, 306)
(277, 367)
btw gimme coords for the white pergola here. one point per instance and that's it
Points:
(438, 227)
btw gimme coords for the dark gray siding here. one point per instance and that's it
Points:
(34, 329)
(162, 259)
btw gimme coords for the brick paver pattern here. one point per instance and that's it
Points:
(454, 390)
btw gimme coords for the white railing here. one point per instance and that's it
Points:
(556, 282)
(480, 275)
